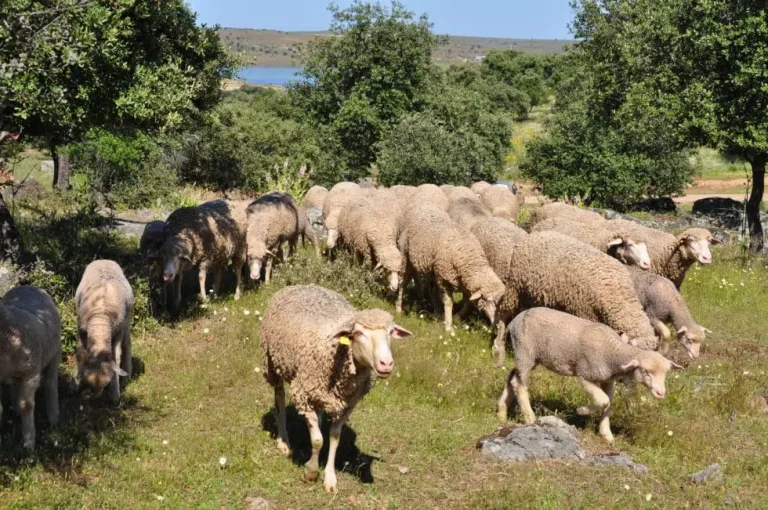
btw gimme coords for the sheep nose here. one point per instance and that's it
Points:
(384, 367)
(255, 275)
(168, 277)
(645, 265)
(659, 393)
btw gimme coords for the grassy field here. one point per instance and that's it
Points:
(195, 427)
(27, 165)
(279, 49)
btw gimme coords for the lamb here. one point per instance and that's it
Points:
(664, 305)
(479, 187)
(432, 245)
(466, 213)
(314, 197)
(563, 210)
(273, 219)
(429, 194)
(206, 236)
(501, 202)
(30, 353)
(455, 193)
(575, 347)
(553, 270)
(617, 244)
(497, 237)
(334, 203)
(314, 340)
(306, 231)
(104, 301)
(152, 239)
(371, 226)
(670, 256)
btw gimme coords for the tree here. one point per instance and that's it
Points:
(705, 62)
(67, 66)
(356, 85)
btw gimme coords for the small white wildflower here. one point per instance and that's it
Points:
(453, 334)
(669, 433)
(699, 367)
(17, 478)
(138, 459)
(256, 312)
(746, 372)
(742, 284)
(55, 443)
(626, 487)
(440, 337)
(445, 343)
(206, 330)
(226, 309)
(204, 305)
(215, 312)
(81, 408)
(246, 312)
(483, 351)
(466, 327)
(648, 496)
(257, 370)
(223, 319)
(160, 498)
(165, 442)
(677, 377)
(643, 399)
(421, 316)
(222, 461)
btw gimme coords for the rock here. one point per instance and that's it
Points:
(47, 165)
(367, 182)
(315, 215)
(9, 278)
(727, 212)
(709, 474)
(656, 204)
(532, 442)
(549, 439)
(25, 189)
(256, 503)
(758, 401)
(617, 460)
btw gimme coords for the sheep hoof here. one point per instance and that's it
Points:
(583, 411)
(283, 447)
(329, 482)
(310, 476)
(330, 489)
(502, 415)
(608, 437)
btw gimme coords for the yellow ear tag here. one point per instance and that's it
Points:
(344, 340)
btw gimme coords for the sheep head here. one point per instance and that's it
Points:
(650, 368)
(691, 339)
(370, 341)
(694, 244)
(630, 252)
(175, 256)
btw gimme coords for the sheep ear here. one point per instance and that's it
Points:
(117, 370)
(631, 365)
(378, 266)
(682, 331)
(673, 365)
(714, 241)
(153, 255)
(399, 332)
(477, 295)
(616, 242)
(270, 252)
(706, 330)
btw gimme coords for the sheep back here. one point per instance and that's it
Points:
(314, 197)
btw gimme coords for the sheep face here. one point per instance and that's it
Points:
(371, 348)
(175, 258)
(650, 368)
(488, 297)
(691, 340)
(333, 237)
(694, 245)
(631, 253)
(96, 370)
(257, 254)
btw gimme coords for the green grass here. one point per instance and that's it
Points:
(523, 132)
(712, 164)
(27, 165)
(202, 396)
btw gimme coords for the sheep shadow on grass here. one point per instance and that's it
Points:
(349, 458)
(94, 425)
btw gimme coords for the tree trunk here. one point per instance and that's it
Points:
(11, 246)
(60, 169)
(753, 204)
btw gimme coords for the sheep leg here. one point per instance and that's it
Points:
(665, 335)
(329, 478)
(201, 275)
(447, 296)
(520, 387)
(605, 421)
(312, 467)
(280, 418)
(52, 391)
(177, 297)
(127, 357)
(466, 307)
(602, 403)
(505, 400)
(406, 277)
(218, 275)
(500, 342)
(27, 389)
(114, 384)
(238, 267)
(268, 270)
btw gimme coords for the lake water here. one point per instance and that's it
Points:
(255, 75)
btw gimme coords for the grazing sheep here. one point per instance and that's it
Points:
(273, 219)
(345, 186)
(497, 236)
(664, 305)
(151, 242)
(479, 187)
(501, 202)
(617, 244)
(429, 194)
(455, 193)
(553, 270)
(563, 210)
(30, 353)
(575, 347)
(670, 256)
(306, 232)
(207, 236)
(466, 213)
(314, 197)
(314, 340)
(104, 301)
(332, 206)
(371, 226)
(432, 245)
(403, 190)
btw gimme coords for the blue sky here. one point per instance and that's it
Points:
(522, 19)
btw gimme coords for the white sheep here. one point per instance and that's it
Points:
(563, 210)
(664, 305)
(332, 206)
(30, 353)
(273, 219)
(314, 197)
(104, 301)
(479, 187)
(616, 243)
(466, 212)
(314, 340)
(429, 194)
(570, 346)
(501, 202)
(434, 246)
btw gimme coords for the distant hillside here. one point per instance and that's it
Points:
(275, 48)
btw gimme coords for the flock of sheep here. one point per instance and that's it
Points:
(581, 295)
